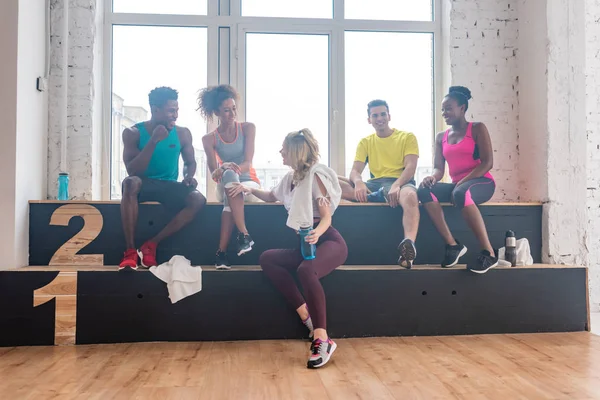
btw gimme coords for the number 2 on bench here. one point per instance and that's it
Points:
(92, 225)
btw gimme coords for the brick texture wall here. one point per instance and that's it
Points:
(81, 150)
(483, 56)
(593, 147)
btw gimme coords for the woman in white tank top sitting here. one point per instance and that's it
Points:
(229, 152)
(311, 193)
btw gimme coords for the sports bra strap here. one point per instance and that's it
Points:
(445, 139)
(469, 132)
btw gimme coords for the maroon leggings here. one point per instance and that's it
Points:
(278, 265)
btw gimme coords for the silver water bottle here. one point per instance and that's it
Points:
(511, 248)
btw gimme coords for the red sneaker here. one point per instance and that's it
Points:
(129, 261)
(148, 254)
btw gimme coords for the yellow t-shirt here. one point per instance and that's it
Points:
(385, 156)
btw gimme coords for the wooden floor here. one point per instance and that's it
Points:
(538, 366)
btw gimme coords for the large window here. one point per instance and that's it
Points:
(146, 57)
(286, 91)
(402, 77)
(296, 64)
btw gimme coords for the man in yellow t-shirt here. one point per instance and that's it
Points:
(392, 156)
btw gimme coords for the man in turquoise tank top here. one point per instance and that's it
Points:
(151, 151)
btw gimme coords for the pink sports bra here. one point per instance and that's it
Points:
(462, 157)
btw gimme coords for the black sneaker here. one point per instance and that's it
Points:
(245, 243)
(484, 263)
(222, 261)
(408, 253)
(453, 254)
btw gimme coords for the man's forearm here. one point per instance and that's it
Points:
(189, 170)
(139, 164)
(355, 177)
(406, 176)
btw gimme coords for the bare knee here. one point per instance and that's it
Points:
(344, 180)
(229, 176)
(195, 201)
(131, 186)
(409, 199)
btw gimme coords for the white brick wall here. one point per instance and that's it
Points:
(593, 147)
(533, 101)
(565, 227)
(483, 56)
(82, 152)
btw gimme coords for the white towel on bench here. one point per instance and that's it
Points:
(523, 254)
(181, 278)
(301, 205)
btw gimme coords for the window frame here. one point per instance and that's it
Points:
(226, 61)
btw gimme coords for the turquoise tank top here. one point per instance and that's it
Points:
(164, 164)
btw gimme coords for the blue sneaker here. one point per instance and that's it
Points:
(377, 197)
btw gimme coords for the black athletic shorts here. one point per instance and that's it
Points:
(171, 194)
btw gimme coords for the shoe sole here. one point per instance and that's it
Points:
(311, 366)
(223, 267)
(484, 270)
(128, 269)
(462, 253)
(244, 251)
(407, 255)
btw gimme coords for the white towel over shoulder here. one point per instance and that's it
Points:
(301, 207)
(181, 278)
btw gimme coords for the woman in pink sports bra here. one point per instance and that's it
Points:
(467, 148)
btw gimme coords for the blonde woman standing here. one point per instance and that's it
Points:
(310, 193)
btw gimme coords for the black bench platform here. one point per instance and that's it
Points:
(87, 305)
(372, 232)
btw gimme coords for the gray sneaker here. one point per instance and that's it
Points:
(408, 253)
(245, 243)
(320, 353)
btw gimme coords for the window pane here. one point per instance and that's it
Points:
(404, 10)
(135, 74)
(288, 8)
(405, 83)
(286, 90)
(185, 7)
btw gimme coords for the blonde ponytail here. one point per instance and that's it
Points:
(303, 152)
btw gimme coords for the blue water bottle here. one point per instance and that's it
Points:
(308, 250)
(63, 186)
